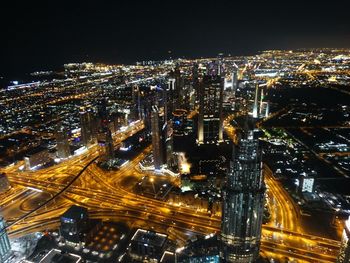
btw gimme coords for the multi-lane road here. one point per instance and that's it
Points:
(109, 196)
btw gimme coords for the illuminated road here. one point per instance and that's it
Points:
(109, 196)
(120, 204)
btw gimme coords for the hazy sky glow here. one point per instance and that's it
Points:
(41, 35)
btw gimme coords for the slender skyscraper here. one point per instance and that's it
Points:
(156, 139)
(243, 203)
(168, 143)
(136, 103)
(63, 150)
(234, 79)
(86, 121)
(195, 80)
(179, 83)
(210, 120)
(256, 105)
(344, 253)
(5, 247)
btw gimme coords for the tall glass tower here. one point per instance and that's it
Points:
(210, 120)
(243, 203)
(5, 247)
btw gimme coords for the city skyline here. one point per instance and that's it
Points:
(175, 132)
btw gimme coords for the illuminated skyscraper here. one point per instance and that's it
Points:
(5, 247)
(171, 93)
(256, 108)
(86, 124)
(63, 150)
(344, 253)
(156, 138)
(195, 80)
(234, 79)
(210, 120)
(179, 84)
(168, 143)
(243, 204)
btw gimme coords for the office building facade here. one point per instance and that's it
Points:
(156, 139)
(87, 126)
(63, 150)
(210, 119)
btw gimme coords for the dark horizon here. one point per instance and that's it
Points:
(44, 36)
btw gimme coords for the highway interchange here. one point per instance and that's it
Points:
(38, 198)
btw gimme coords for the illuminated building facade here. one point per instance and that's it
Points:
(168, 143)
(234, 79)
(344, 253)
(244, 204)
(5, 247)
(256, 106)
(86, 124)
(74, 225)
(210, 120)
(156, 139)
(63, 150)
(147, 246)
(37, 157)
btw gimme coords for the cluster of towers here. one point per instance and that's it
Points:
(243, 200)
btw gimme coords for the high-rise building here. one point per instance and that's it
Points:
(344, 253)
(195, 80)
(170, 94)
(234, 79)
(168, 143)
(243, 203)
(5, 247)
(210, 119)
(86, 124)
(156, 138)
(261, 106)
(102, 111)
(256, 106)
(63, 150)
(179, 84)
(105, 143)
(136, 103)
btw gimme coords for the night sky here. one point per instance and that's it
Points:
(38, 35)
